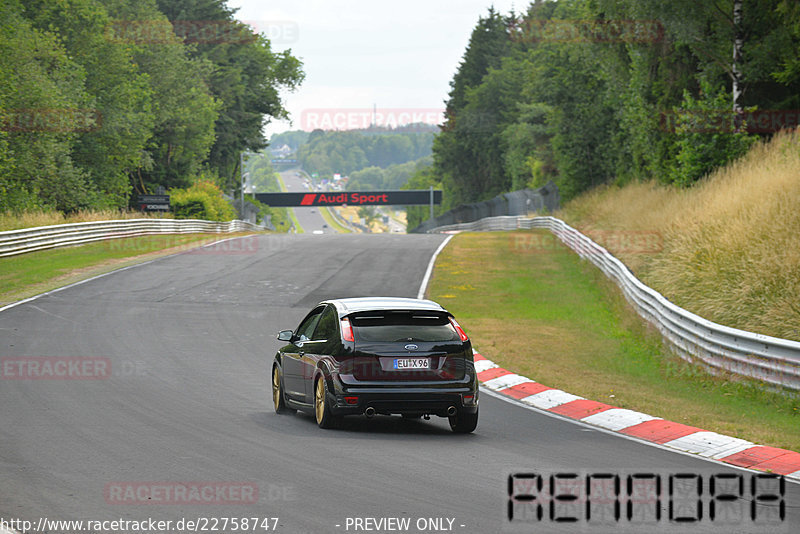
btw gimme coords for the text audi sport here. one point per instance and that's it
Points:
(377, 355)
(315, 199)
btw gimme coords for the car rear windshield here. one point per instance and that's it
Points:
(403, 327)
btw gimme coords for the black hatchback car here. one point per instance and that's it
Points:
(377, 355)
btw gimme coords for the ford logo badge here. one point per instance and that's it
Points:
(411, 346)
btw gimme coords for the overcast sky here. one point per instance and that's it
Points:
(399, 56)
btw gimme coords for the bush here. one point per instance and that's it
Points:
(279, 217)
(203, 200)
(707, 137)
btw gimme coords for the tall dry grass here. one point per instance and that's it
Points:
(731, 244)
(30, 219)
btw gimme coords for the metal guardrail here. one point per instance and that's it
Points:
(515, 203)
(15, 242)
(353, 226)
(772, 360)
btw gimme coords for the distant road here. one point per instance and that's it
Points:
(309, 218)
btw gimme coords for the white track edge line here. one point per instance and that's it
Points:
(424, 285)
(3, 528)
(79, 282)
(554, 415)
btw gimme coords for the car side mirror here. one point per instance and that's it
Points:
(285, 335)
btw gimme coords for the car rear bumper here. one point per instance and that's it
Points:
(406, 399)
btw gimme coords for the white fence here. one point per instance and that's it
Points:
(14, 242)
(770, 359)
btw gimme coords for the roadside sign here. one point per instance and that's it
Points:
(153, 202)
(354, 198)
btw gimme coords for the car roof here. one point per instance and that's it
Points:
(361, 304)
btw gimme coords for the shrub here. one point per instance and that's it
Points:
(202, 200)
(707, 137)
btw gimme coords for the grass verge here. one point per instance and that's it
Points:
(297, 228)
(31, 219)
(726, 248)
(332, 222)
(30, 274)
(556, 319)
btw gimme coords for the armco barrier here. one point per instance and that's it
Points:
(515, 203)
(15, 242)
(773, 360)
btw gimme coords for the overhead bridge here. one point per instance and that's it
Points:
(351, 198)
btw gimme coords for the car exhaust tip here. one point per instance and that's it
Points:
(369, 412)
(451, 411)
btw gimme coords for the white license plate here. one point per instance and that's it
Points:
(412, 363)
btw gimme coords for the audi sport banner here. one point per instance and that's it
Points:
(350, 198)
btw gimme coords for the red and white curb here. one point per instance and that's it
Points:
(685, 438)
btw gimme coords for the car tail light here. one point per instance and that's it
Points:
(347, 330)
(351, 400)
(463, 335)
(468, 399)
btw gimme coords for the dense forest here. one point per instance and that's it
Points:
(588, 92)
(103, 99)
(375, 158)
(344, 152)
(292, 138)
(390, 178)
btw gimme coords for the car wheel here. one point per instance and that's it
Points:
(277, 393)
(322, 409)
(464, 422)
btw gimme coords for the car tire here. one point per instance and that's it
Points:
(464, 422)
(322, 408)
(278, 399)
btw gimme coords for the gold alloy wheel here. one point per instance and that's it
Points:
(276, 388)
(319, 400)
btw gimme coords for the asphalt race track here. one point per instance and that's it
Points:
(190, 339)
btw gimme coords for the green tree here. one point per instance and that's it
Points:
(261, 173)
(368, 179)
(425, 177)
(41, 95)
(184, 110)
(115, 89)
(527, 154)
(464, 151)
(347, 152)
(201, 200)
(707, 136)
(246, 78)
(294, 139)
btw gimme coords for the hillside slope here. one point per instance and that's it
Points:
(727, 249)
